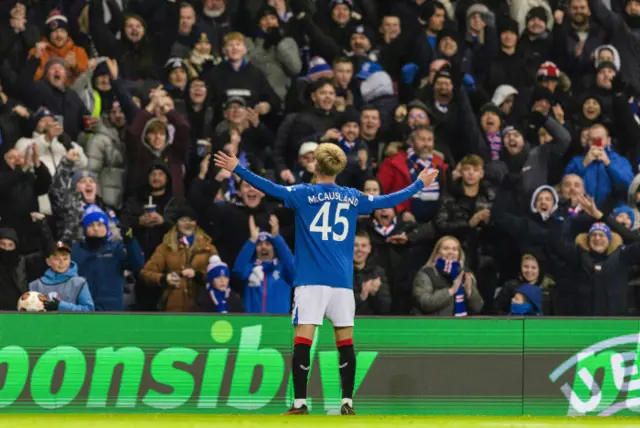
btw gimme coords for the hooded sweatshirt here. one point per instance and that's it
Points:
(72, 290)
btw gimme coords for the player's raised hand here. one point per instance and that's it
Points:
(225, 161)
(428, 176)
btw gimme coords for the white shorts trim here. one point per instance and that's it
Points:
(312, 303)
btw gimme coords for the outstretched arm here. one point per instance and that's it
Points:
(230, 163)
(372, 203)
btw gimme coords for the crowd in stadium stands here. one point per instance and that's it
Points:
(109, 110)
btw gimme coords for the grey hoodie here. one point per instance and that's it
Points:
(532, 204)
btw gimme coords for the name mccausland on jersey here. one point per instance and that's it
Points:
(333, 196)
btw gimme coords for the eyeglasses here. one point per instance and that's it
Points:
(418, 116)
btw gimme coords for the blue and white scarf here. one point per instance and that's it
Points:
(219, 298)
(347, 146)
(452, 270)
(385, 230)
(416, 164)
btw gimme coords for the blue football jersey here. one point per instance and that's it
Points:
(326, 217)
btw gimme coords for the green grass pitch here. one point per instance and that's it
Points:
(208, 421)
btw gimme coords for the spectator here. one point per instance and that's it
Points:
(179, 264)
(274, 53)
(13, 275)
(370, 287)
(18, 37)
(20, 188)
(200, 61)
(320, 117)
(161, 135)
(601, 168)
(71, 195)
(392, 239)
(531, 273)
(536, 41)
(102, 262)
(106, 157)
(265, 266)
(216, 20)
(372, 186)
(176, 83)
(571, 189)
(58, 44)
(526, 301)
(601, 264)
(633, 197)
(238, 77)
(509, 67)
(218, 296)
(61, 285)
(346, 92)
(401, 167)
(444, 287)
(306, 166)
(625, 216)
(576, 39)
(133, 51)
(377, 90)
(370, 134)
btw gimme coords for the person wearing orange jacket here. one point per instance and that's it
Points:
(58, 44)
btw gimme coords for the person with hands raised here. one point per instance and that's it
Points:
(265, 267)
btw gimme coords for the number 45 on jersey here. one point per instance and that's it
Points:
(320, 223)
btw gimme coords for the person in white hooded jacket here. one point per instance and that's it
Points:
(52, 145)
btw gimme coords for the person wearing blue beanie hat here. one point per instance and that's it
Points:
(600, 227)
(219, 297)
(95, 225)
(527, 300)
(624, 215)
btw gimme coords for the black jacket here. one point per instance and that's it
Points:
(392, 259)
(248, 82)
(13, 283)
(380, 303)
(65, 103)
(19, 191)
(599, 282)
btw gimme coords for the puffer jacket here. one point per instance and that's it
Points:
(103, 268)
(279, 63)
(50, 154)
(431, 294)
(172, 256)
(107, 160)
(267, 285)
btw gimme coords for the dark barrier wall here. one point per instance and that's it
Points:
(239, 364)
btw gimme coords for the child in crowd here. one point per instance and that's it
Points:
(218, 295)
(527, 301)
(64, 289)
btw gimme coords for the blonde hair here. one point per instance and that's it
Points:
(331, 159)
(234, 36)
(436, 251)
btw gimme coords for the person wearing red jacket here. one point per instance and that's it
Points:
(400, 168)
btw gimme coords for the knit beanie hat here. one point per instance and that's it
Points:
(606, 64)
(334, 3)
(216, 268)
(265, 236)
(52, 61)
(508, 24)
(318, 68)
(93, 214)
(548, 71)
(537, 12)
(79, 175)
(625, 209)
(490, 108)
(602, 228)
(55, 20)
